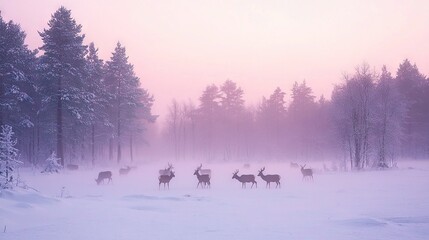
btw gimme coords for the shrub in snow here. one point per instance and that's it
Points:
(8, 157)
(52, 164)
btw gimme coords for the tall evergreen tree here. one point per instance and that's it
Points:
(98, 119)
(127, 99)
(63, 66)
(413, 88)
(17, 66)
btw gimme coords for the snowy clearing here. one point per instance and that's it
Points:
(359, 205)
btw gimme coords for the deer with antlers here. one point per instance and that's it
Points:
(166, 171)
(203, 179)
(165, 179)
(245, 178)
(307, 173)
(269, 178)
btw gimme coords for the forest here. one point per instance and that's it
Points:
(63, 101)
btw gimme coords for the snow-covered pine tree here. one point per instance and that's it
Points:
(128, 101)
(52, 164)
(17, 64)
(63, 68)
(8, 157)
(98, 119)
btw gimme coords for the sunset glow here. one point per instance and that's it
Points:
(260, 45)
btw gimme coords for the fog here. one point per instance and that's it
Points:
(336, 205)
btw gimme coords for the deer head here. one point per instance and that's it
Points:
(261, 172)
(234, 175)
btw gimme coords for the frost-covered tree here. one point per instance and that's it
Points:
(17, 64)
(353, 114)
(389, 112)
(8, 157)
(128, 101)
(52, 164)
(63, 75)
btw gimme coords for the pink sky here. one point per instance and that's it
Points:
(179, 47)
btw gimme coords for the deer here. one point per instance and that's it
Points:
(294, 165)
(269, 178)
(72, 167)
(102, 176)
(124, 171)
(203, 179)
(166, 171)
(306, 173)
(245, 179)
(166, 179)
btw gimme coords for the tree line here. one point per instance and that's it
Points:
(372, 119)
(63, 99)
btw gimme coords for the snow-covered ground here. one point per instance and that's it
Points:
(391, 204)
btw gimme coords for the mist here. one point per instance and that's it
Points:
(226, 120)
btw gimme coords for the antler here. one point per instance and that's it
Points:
(235, 172)
(199, 168)
(170, 166)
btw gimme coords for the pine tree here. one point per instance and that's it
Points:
(63, 66)
(128, 101)
(413, 86)
(98, 119)
(8, 157)
(52, 164)
(17, 65)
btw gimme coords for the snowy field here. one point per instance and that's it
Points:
(390, 205)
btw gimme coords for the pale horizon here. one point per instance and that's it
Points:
(177, 49)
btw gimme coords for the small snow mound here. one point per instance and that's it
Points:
(147, 197)
(411, 220)
(26, 198)
(362, 222)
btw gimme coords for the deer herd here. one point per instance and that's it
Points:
(204, 176)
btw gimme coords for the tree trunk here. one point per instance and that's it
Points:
(131, 148)
(110, 149)
(93, 144)
(60, 150)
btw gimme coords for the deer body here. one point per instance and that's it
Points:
(294, 165)
(269, 178)
(307, 173)
(124, 171)
(166, 171)
(203, 179)
(245, 178)
(166, 179)
(104, 175)
(72, 167)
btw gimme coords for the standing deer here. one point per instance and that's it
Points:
(245, 179)
(306, 173)
(124, 171)
(166, 171)
(102, 176)
(203, 179)
(166, 179)
(269, 178)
